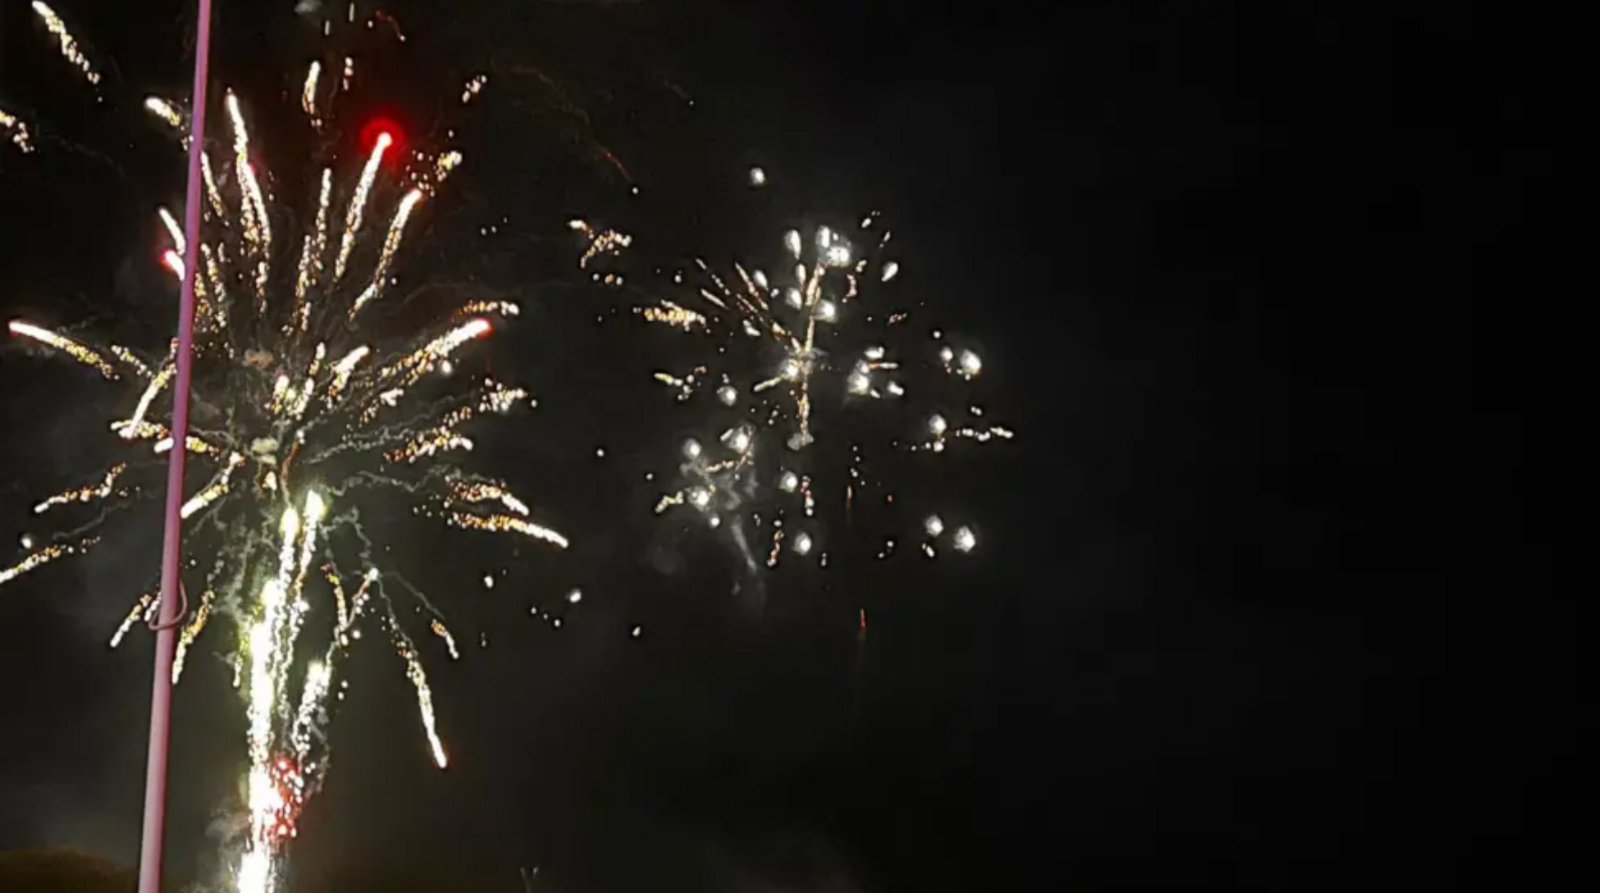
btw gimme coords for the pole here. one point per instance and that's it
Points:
(155, 779)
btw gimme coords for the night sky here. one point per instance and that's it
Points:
(1205, 631)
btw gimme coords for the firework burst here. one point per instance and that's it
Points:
(305, 416)
(811, 389)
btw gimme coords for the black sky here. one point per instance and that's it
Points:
(1204, 642)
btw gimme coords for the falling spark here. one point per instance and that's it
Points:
(391, 244)
(488, 491)
(43, 557)
(506, 524)
(173, 230)
(69, 44)
(601, 242)
(83, 354)
(419, 679)
(673, 315)
(191, 631)
(443, 632)
(142, 608)
(308, 93)
(316, 246)
(358, 203)
(85, 494)
(164, 110)
(18, 132)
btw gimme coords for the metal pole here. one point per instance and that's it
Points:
(155, 780)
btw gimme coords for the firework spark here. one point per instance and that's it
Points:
(69, 44)
(17, 132)
(164, 110)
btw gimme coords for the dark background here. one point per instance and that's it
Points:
(1204, 644)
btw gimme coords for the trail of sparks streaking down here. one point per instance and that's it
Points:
(163, 109)
(80, 352)
(88, 493)
(487, 491)
(69, 44)
(506, 524)
(18, 132)
(601, 242)
(419, 680)
(390, 245)
(358, 204)
(42, 557)
(300, 407)
(308, 94)
(830, 327)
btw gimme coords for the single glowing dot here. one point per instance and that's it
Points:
(638, 631)
(970, 363)
(575, 596)
(937, 424)
(788, 481)
(826, 311)
(802, 543)
(890, 270)
(600, 452)
(760, 278)
(859, 383)
(700, 497)
(824, 237)
(728, 394)
(792, 297)
(758, 177)
(634, 190)
(946, 354)
(965, 539)
(740, 441)
(791, 240)
(488, 581)
(790, 369)
(937, 334)
(27, 541)
(934, 525)
(447, 368)
(837, 256)
(691, 448)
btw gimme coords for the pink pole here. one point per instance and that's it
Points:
(155, 780)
